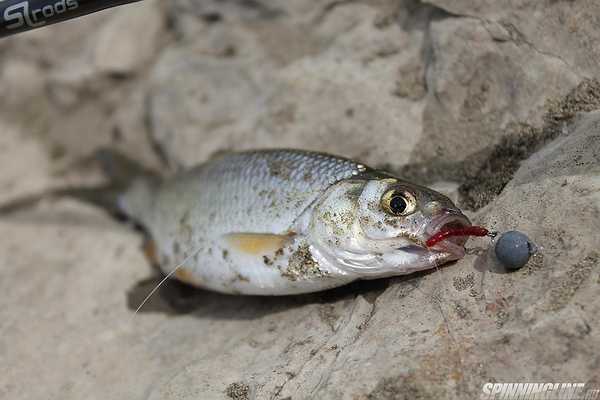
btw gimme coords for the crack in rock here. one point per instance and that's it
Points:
(315, 372)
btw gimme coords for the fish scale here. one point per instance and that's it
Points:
(260, 191)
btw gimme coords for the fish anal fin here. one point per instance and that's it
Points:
(257, 243)
(185, 274)
(150, 251)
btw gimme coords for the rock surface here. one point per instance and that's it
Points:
(494, 101)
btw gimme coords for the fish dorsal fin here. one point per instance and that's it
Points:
(257, 243)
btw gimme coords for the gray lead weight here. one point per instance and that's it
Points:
(513, 249)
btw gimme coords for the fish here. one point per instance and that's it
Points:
(285, 221)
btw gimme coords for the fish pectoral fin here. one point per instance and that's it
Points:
(257, 243)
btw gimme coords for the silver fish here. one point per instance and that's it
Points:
(277, 222)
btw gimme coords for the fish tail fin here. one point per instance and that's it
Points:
(132, 184)
(120, 169)
(128, 185)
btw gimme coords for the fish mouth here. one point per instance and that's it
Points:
(454, 246)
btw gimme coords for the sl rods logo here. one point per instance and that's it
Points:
(21, 14)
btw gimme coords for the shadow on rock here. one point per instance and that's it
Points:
(175, 298)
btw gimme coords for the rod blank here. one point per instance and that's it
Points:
(23, 15)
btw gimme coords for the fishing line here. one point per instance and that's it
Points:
(165, 279)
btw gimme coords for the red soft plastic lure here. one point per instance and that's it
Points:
(466, 231)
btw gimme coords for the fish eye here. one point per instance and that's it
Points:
(398, 202)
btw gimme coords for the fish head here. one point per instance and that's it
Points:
(377, 225)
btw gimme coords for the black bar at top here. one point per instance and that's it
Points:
(22, 15)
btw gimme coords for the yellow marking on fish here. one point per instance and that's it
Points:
(187, 276)
(256, 243)
(150, 251)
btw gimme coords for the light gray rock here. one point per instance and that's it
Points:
(550, 28)
(129, 40)
(63, 83)
(342, 83)
(478, 86)
(487, 100)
